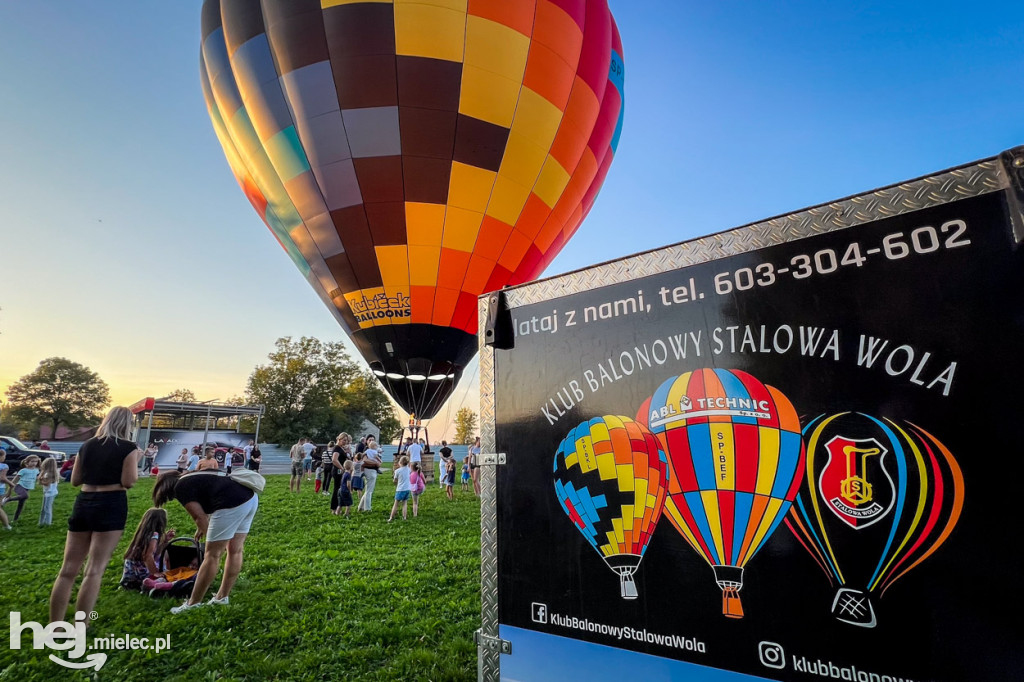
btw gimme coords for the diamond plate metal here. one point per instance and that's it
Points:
(934, 190)
(488, 659)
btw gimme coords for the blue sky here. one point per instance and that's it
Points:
(127, 245)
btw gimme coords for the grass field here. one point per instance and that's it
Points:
(319, 597)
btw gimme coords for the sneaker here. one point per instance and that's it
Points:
(185, 607)
(222, 602)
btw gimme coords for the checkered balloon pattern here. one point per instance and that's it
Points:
(411, 155)
(611, 477)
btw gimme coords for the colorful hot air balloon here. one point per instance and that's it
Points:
(734, 454)
(410, 155)
(610, 476)
(879, 498)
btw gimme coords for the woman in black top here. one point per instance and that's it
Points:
(223, 510)
(342, 452)
(106, 466)
(255, 458)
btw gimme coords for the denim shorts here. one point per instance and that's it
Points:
(99, 512)
(402, 495)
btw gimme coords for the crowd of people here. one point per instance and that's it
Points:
(352, 470)
(223, 507)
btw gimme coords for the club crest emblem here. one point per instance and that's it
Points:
(855, 484)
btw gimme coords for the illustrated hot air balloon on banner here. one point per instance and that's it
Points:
(878, 499)
(735, 462)
(610, 478)
(412, 155)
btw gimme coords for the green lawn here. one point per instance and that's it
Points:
(319, 598)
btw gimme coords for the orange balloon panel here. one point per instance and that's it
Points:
(411, 156)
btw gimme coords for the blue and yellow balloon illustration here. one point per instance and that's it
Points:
(610, 478)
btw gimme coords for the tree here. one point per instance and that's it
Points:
(310, 388)
(181, 395)
(59, 391)
(8, 424)
(364, 400)
(465, 426)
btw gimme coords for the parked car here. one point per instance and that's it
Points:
(221, 450)
(17, 451)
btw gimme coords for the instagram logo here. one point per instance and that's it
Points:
(540, 612)
(772, 655)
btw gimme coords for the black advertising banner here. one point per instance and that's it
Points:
(802, 462)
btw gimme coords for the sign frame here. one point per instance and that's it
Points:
(1002, 173)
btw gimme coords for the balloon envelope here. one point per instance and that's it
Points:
(734, 453)
(610, 478)
(879, 498)
(410, 156)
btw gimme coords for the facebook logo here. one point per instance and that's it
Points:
(540, 613)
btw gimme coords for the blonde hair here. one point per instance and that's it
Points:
(404, 461)
(31, 461)
(344, 438)
(48, 473)
(117, 424)
(348, 465)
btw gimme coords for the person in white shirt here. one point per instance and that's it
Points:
(415, 451)
(403, 488)
(247, 451)
(307, 461)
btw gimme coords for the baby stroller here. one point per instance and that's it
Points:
(180, 563)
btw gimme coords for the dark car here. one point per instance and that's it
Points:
(17, 451)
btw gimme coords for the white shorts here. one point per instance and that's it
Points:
(226, 523)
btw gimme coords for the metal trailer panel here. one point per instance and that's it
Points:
(973, 180)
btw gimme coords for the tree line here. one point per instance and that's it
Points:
(308, 388)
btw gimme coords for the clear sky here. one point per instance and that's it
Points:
(127, 246)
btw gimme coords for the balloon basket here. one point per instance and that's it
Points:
(628, 586)
(854, 607)
(731, 605)
(730, 579)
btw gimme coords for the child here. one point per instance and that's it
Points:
(24, 481)
(344, 492)
(48, 480)
(465, 474)
(449, 477)
(4, 482)
(357, 474)
(318, 474)
(142, 558)
(402, 488)
(418, 484)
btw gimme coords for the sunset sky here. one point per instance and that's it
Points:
(127, 245)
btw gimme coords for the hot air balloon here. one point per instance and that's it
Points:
(878, 499)
(734, 454)
(412, 155)
(610, 477)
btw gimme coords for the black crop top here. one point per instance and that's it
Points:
(102, 460)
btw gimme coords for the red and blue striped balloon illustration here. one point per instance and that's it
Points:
(735, 463)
